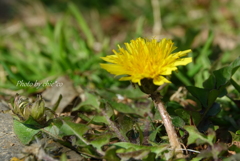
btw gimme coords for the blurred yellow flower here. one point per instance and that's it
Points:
(144, 58)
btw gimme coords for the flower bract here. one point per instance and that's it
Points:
(143, 58)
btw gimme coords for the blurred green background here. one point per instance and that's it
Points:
(42, 40)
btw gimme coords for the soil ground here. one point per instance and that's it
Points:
(9, 144)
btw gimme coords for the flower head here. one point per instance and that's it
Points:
(23, 108)
(146, 59)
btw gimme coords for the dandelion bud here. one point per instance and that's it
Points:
(38, 109)
(147, 86)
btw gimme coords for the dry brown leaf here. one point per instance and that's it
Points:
(65, 88)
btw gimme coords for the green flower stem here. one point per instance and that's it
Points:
(172, 135)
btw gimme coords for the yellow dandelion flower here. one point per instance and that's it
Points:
(144, 58)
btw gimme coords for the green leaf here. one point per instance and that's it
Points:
(121, 107)
(23, 132)
(183, 114)
(126, 124)
(94, 119)
(100, 141)
(71, 128)
(156, 149)
(150, 157)
(177, 121)
(197, 158)
(200, 94)
(238, 132)
(63, 157)
(140, 133)
(196, 137)
(215, 151)
(82, 23)
(172, 106)
(222, 76)
(214, 110)
(153, 135)
(235, 84)
(9, 71)
(183, 78)
(100, 119)
(233, 158)
(195, 116)
(55, 106)
(212, 96)
(111, 154)
(91, 100)
(90, 151)
(32, 123)
(203, 60)
(210, 82)
(53, 129)
(129, 92)
(235, 137)
(211, 135)
(127, 154)
(234, 148)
